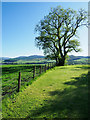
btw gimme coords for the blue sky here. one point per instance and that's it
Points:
(18, 23)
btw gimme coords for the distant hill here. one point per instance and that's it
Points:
(38, 58)
(29, 57)
(4, 58)
(24, 59)
(72, 57)
(78, 60)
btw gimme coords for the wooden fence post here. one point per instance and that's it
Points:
(55, 64)
(45, 67)
(19, 81)
(40, 69)
(52, 64)
(34, 71)
(48, 65)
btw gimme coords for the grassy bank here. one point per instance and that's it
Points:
(59, 93)
(10, 75)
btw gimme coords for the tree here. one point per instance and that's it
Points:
(57, 32)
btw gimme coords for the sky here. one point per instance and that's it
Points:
(18, 27)
(45, 0)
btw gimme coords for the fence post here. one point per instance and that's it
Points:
(48, 65)
(34, 71)
(40, 69)
(19, 81)
(45, 67)
(52, 64)
(55, 64)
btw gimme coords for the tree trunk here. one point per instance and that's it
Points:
(61, 62)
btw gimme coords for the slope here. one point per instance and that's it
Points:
(59, 93)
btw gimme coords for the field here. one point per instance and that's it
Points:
(10, 75)
(61, 92)
(71, 60)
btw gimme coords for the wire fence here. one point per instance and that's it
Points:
(36, 72)
(23, 78)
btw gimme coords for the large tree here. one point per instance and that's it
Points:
(57, 32)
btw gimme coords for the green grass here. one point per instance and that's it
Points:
(84, 61)
(59, 93)
(10, 74)
(34, 61)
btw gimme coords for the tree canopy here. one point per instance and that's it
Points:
(57, 32)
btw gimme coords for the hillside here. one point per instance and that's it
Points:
(37, 58)
(78, 60)
(59, 93)
(4, 58)
(24, 59)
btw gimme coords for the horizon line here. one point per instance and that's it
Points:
(36, 55)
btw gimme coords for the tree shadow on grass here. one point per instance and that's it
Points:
(83, 67)
(72, 102)
(87, 67)
(79, 81)
(76, 68)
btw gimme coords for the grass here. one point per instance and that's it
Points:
(84, 61)
(59, 93)
(10, 74)
(34, 61)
